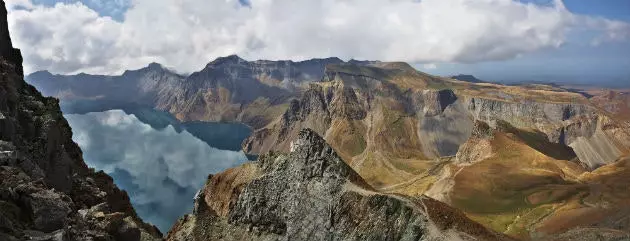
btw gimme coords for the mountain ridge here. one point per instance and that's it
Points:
(413, 134)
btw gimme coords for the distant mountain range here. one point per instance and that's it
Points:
(515, 158)
(227, 89)
(467, 78)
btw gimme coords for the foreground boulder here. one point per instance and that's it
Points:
(46, 190)
(312, 194)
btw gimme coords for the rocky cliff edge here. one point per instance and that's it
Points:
(46, 190)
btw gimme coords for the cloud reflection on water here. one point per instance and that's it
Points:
(160, 169)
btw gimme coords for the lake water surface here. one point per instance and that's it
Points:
(160, 162)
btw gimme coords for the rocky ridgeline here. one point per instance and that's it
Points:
(233, 89)
(227, 89)
(46, 190)
(311, 194)
(444, 118)
(594, 137)
(549, 118)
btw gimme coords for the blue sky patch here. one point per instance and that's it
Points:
(112, 8)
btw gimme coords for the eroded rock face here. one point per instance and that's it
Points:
(435, 102)
(477, 147)
(443, 122)
(44, 182)
(311, 194)
(579, 126)
(547, 117)
(362, 110)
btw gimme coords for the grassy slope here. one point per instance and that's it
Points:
(518, 186)
(604, 203)
(526, 182)
(523, 191)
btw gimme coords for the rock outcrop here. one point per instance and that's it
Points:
(389, 110)
(46, 190)
(596, 138)
(311, 194)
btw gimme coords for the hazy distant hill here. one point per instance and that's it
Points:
(467, 78)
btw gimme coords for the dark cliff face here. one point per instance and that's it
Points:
(7, 51)
(311, 194)
(46, 190)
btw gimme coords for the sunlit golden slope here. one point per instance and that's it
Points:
(511, 157)
(528, 188)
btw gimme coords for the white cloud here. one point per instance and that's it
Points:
(186, 34)
(66, 38)
(11, 4)
(429, 66)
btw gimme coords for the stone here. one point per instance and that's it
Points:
(34, 235)
(49, 210)
(128, 230)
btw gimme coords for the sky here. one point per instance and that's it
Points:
(498, 40)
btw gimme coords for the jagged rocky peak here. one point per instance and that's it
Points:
(230, 59)
(305, 138)
(7, 51)
(314, 150)
(152, 67)
(312, 194)
(6, 47)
